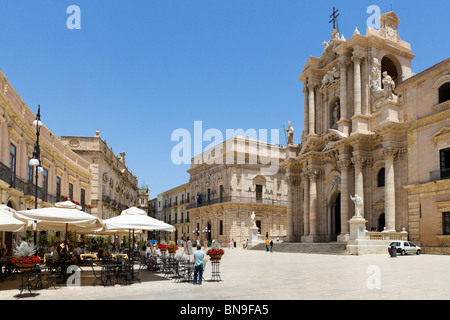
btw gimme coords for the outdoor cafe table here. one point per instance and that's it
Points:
(119, 255)
(86, 256)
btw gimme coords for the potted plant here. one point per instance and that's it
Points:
(216, 252)
(162, 246)
(172, 247)
(24, 257)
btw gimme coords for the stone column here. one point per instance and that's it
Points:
(306, 204)
(389, 188)
(313, 175)
(344, 166)
(312, 116)
(305, 110)
(356, 58)
(359, 180)
(343, 65)
(291, 180)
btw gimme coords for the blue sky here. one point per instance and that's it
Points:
(138, 70)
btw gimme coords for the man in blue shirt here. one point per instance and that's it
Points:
(198, 267)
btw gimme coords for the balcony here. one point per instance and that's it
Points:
(237, 200)
(440, 174)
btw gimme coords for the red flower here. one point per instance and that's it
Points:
(214, 252)
(27, 260)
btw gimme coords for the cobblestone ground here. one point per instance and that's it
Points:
(259, 275)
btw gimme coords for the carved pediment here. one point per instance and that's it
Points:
(443, 134)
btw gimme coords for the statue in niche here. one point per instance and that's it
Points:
(388, 85)
(336, 114)
(290, 133)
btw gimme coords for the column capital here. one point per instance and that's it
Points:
(311, 84)
(344, 62)
(361, 161)
(314, 173)
(344, 164)
(356, 57)
(392, 152)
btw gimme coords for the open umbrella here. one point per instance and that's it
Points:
(135, 219)
(8, 222)
(63, 216)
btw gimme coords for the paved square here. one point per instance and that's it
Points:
(259, 275)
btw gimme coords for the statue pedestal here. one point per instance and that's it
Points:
(357, 228)
(253, 236)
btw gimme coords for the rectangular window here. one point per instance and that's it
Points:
(82, 199)
(70, 191)
(12, 165)
(30, 172)
(258, 191)
(58, 189)
(445, 163)
(221, 227)
(45, 184)
(446, 223)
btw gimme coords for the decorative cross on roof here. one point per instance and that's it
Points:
(334, 17)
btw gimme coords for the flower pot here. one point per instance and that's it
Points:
(25, 266)
(215, 257)
(162, 249)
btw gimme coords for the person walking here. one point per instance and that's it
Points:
(267, 244)
(198, 266)
(271, 245)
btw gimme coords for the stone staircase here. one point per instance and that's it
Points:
(301, 247)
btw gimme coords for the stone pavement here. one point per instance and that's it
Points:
(259, 275)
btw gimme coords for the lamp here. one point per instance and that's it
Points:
(35, 162)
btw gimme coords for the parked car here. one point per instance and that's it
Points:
(405, 247)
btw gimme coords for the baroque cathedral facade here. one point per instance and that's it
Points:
(375, 129)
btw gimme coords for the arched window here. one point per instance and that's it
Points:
(444, 92)
(389, 66)
(380, 178)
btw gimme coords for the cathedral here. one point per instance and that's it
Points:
(375, 129)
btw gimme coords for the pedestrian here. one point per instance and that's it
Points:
(271, 245)
(198, 266)
(243, 244)
(246, 246)
(234, 243)
(267, 244)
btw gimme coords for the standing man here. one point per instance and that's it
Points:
(198, 267)
(267, 244)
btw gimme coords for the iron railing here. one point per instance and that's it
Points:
(237, 200)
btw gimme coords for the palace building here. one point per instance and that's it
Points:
(230, 182)
(372, 128)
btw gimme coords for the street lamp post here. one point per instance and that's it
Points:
(35, 161)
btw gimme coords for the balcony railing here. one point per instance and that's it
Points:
(237, 200)
(440, 174)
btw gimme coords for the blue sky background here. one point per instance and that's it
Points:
(137, 70)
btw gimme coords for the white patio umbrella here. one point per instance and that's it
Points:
(63, 216)
(8, 222)
(136, 219)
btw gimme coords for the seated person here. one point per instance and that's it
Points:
(151, 263)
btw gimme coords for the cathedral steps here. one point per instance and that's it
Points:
(301, 247)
